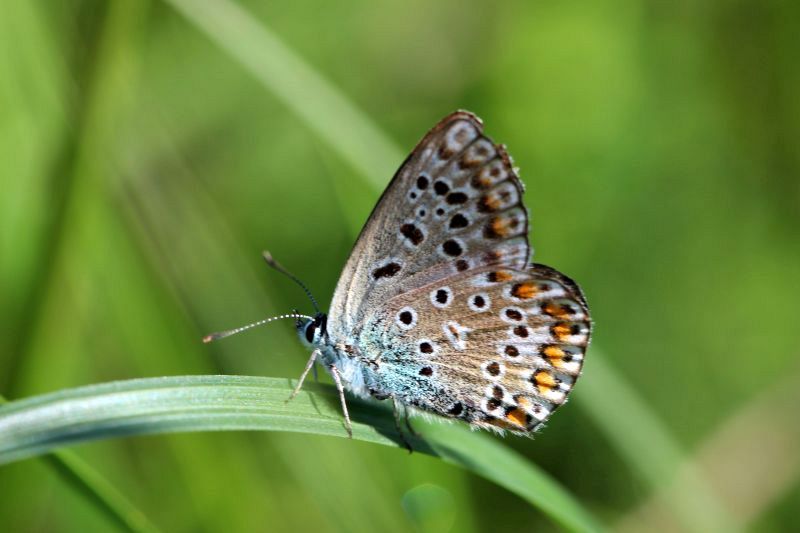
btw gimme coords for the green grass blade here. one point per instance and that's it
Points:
(100, 492)
(97, 489)
(486, 457)
(640, 437)
(214, 403)
(325, 109)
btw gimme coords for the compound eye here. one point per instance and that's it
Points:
(310, 330)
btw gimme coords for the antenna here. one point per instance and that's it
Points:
(274, 264)
(228, 333)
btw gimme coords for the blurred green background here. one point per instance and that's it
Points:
(145, 167)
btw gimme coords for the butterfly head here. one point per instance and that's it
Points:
(312, 330)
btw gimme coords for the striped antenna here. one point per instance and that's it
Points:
(277, 266)
(228, 333)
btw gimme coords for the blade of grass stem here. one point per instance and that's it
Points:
(82, 477)
(640, 437)
(41, 424)
(301, 87)
(766, 424)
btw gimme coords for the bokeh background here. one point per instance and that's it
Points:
(151, 150)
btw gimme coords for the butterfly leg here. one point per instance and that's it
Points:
(397, 407)
(338, 379)
(309, 366)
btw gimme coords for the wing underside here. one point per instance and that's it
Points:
(500, 348)
(438, 297)
(454, 205)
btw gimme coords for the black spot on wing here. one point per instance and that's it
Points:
(386, 271)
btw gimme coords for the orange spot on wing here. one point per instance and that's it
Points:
(524, 290)
(517, 416)
(469, 162)
(555, 310)
(489, 202)
(544, 381)
(554, 355)
(500, 226)
(481, 181)
(500, 276)
(523, 402)
(561, 331)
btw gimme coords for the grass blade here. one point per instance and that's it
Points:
(325, 109)
(100, 491)
(641, 438)
(215, 403)
(97, 489)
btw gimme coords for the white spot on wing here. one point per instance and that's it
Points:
(492, 173)
(433, 346)
(478, 153)
(539, 412)
(473, 301)
(489, 392)
(406, 318)
(496, 366)
(456, 334)
(509, 314)
(485, 405)
(459, 136)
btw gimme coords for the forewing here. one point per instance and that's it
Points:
(498, 348)
(454, 205)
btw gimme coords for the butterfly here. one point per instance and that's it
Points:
(438, 307)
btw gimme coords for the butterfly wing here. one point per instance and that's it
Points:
(454, 205)
(498, 348)
(439, 297)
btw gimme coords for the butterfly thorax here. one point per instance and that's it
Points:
(356, 371)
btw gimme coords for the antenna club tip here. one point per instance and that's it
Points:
(209, 338)
(268, 257)
(274, 264)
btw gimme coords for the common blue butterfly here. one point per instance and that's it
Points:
(438, 307)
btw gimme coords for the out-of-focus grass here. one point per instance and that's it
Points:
(765, 427)
(658, 146)
(651, 451)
